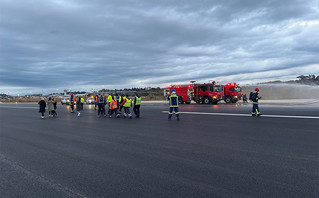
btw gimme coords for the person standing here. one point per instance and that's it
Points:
(79, 107)
(245, 98)
(127, 104)
(255, 98)
(54, 104)
(95, 102)
(50, 107)
(137, 105)
(113, 107)
(101, 105)
(109, 100)
(72, 100)
(82, 103)
(173, 105)
(42, 106)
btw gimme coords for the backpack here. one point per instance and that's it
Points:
(251, 95)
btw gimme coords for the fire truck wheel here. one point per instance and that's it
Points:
(228, 100)
(206, 100)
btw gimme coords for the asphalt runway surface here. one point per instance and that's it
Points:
(213, 151)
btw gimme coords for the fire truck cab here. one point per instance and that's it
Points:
(232, 93)
(208, 93)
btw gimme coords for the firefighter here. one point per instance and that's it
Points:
(173, 105)
(127, 104)
(137, 105)
(109, 100)
(245, 98)
(72, 100)
(255, 98)
(95, 102)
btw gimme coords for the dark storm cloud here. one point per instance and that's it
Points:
(59, 44)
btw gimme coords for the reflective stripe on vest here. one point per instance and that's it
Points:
(127, 103)
(138, 100)
(114, 104)
(173, 99)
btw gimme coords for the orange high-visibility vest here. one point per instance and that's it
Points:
(113, 104)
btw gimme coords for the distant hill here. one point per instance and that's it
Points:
(304, 80)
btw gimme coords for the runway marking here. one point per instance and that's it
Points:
(247, 115)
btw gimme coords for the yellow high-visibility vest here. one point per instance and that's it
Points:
(127, 103)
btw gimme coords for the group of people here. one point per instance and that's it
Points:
(116, 103)
(51, 107)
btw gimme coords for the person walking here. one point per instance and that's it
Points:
(72, 100)
(42, 106)
(50, 107)
(109, 100)
(101, 105)
(55, 106)
(255, 98)
(122, 98)
(113, 107)
(137, 105)
(79, 107)
(173, 105)
(127, 104)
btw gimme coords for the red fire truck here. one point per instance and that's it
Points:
(209, 93)
(185, 92)
(232, 93)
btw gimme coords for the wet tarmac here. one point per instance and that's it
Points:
(213, 151)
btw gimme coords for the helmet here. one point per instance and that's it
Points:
(173, 90)
(257, 89)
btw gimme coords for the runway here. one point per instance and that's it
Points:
(213, 151)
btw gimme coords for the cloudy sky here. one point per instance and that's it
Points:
(84, 44)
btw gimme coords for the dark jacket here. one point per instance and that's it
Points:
(101, 101)
(255, 97)
(42, 106)
(78, 105)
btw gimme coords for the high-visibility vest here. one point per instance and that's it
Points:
(113, 104)
(173, 100)
(109, 99)
(138, 100)
(82, 100)
(127, 103)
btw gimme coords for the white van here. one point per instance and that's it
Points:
(65, 100)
